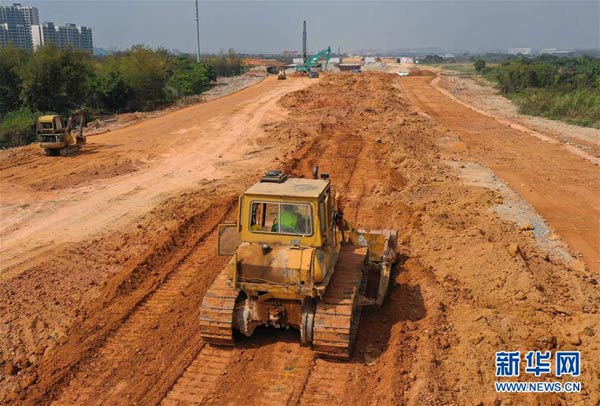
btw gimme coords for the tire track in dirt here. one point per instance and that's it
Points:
(117, 361)
(141, 273)
(327, 378)
(260, 370)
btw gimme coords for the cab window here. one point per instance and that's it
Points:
(281, 218)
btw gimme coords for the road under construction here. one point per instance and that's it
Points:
(107, 254)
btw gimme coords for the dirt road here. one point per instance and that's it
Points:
(481, 94)
(562, 187)
(113, 319)
(123, 173)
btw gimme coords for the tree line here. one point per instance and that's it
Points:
(53, 80)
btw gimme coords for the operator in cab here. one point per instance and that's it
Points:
(292, 221)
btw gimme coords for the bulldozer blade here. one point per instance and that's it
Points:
(382, 254)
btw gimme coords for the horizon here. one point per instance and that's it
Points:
(267, 27)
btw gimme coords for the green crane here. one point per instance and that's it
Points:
(314, 61)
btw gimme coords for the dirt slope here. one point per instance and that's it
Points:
(468, 283)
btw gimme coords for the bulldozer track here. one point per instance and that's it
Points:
(216, 314)
(325, 383)
(355, 184)
(337, 316)
(284, 369)
(200, 378)
(286, 386)
(127, 344)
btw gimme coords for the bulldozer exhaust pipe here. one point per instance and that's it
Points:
(315, 174)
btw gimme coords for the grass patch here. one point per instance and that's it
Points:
(462, 68)
(580, 107)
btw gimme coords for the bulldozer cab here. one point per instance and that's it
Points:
(282, 211)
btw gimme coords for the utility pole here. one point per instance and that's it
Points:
(197, 35)
(304, 45)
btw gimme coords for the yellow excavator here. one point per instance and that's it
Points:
(56, 138)
(281, 74)
(296, 263)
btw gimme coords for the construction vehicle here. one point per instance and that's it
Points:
(313, 73)
(272, 69)
(281, 75)
(314, 61)
(296, 263)
(56, 138)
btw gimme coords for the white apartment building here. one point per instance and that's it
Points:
(62, 36)
(15, 25)
(21, 28)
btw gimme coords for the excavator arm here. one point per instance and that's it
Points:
(313, 61)
(77, 122)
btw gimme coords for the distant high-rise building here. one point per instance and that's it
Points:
(62, 36)
(18, 14)
(44, 34)
(68, 35)
(3, 35)
(21, 28)
(86, 39)
(17, 21)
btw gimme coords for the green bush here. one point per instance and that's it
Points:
(558, 88)
(479, 65)
(11, 60)
(18, 128)
(547, 71)
(226, 65)
(110, 89)
(188, 77)
(55, 79)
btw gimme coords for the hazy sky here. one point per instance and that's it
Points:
(273, 26)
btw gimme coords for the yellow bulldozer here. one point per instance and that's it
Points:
(57, 138)
(296, 263)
